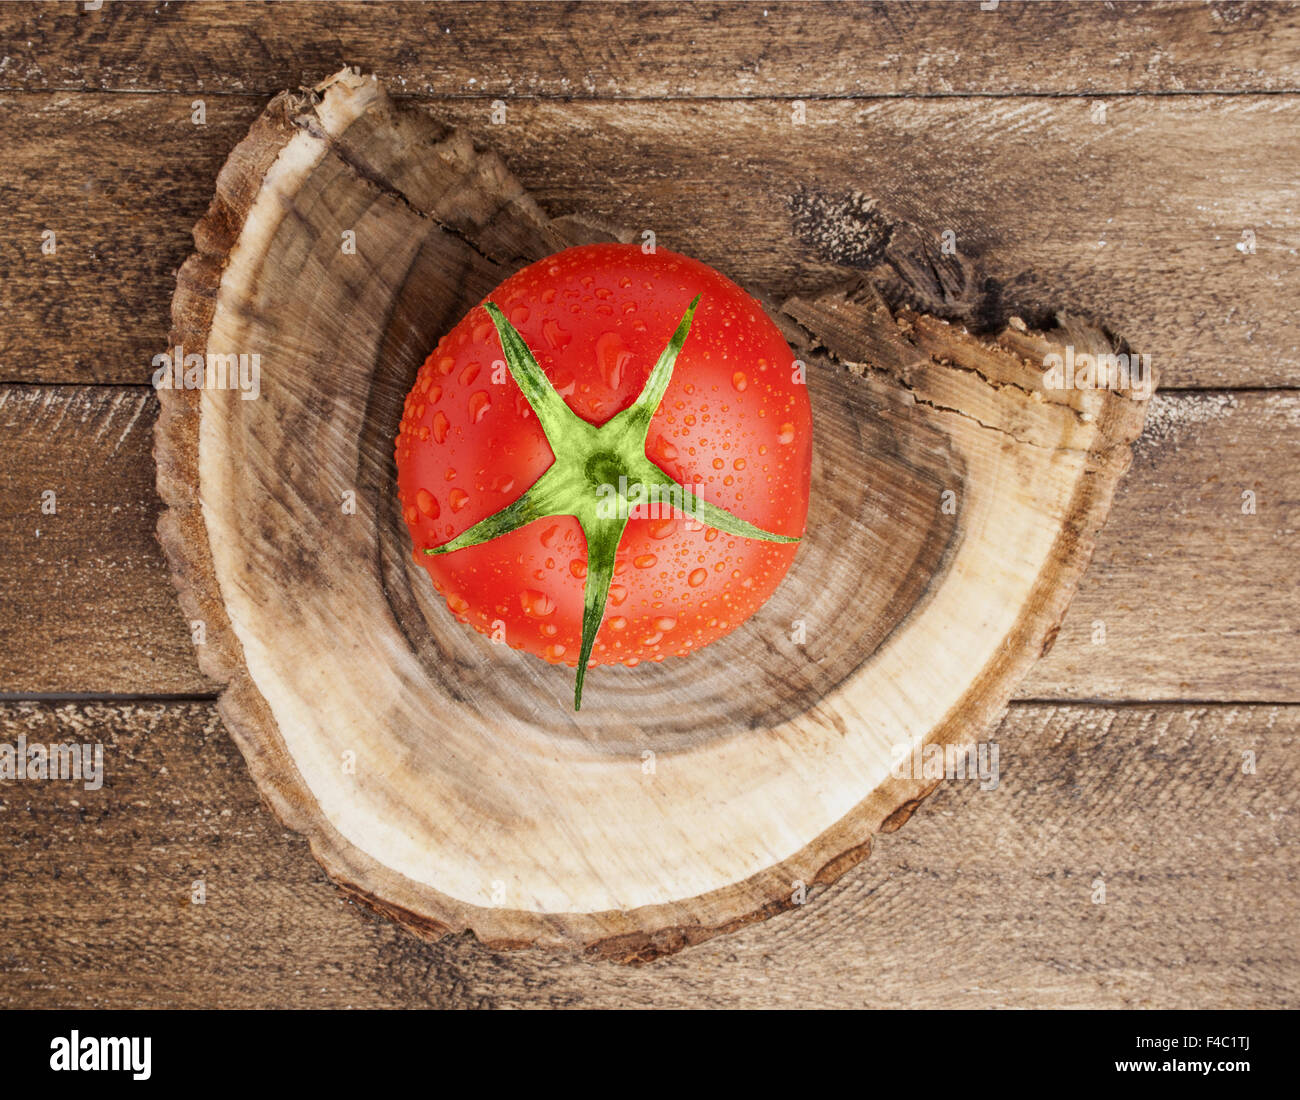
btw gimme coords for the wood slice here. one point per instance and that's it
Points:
(447, 781)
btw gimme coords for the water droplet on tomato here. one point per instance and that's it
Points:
(457, 498)
(555, 336)
(479, 403)
(666, 623)
(617, 594)
(612, 357)
(537, 604)
(519, 316)
(645, 561)
(440, 426)
(697, 577)
(554, 651)
(787, 433)
(661, 528)
(426, 503)
(470, 373)
(739, 381)
(666, 450)
(578, 568)
(617, 623)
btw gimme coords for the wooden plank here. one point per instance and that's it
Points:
(120, 194)
(660, 50)
(87, 603)
(1192, 592)
(985, 898)
(1136, 219)
(1189, 595)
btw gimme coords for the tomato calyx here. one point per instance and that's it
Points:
(600, 475)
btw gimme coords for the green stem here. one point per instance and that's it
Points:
(603, 536)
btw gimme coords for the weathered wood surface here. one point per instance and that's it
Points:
(1195, 605)
(1055, 207)
(86, 604)
(984, 898)
(1187, 586)
(660, 50)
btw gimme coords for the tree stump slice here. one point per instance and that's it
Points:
(686, 798)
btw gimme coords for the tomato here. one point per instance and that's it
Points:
(527, 444)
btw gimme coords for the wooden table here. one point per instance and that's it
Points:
(1141, 162)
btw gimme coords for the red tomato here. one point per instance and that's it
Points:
(734, 424)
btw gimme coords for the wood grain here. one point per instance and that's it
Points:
(1190, 599)
(660, 50)
(1190, 595)
(1194, 595)
(86, 604)
(1051, 207)
(984, 899)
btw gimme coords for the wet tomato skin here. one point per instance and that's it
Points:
(735, 424)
